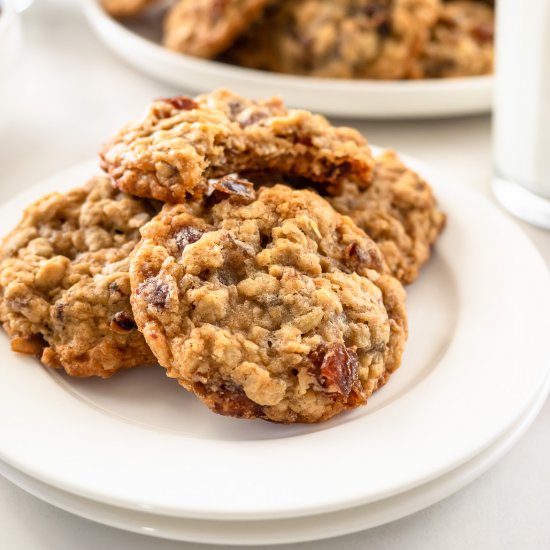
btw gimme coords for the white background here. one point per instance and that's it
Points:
(72, 93)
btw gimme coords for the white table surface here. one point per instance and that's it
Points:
(72, 94)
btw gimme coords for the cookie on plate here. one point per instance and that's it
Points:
(180, 142)
(273, 307)
(345, 39)
(461, 43)
(64, 282)
(204, 28)
(398, 211)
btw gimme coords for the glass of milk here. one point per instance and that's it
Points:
(521, 119)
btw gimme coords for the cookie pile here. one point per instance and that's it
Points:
(256, 253)
(369, 39)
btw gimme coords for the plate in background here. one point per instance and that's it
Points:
(137, 41)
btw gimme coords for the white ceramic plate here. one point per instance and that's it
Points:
(137, 41)
(477, 354)
(289, 530)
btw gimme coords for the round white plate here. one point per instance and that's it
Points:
(137, 41)
(287, 530)
(476, 356)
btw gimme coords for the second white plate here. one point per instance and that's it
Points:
(138, 43)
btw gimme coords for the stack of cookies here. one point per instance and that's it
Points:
(256, 253)
(372, 39)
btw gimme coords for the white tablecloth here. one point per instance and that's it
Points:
(72, 94)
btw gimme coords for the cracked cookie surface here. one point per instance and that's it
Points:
(274, 307)
(204, 28)
(398, 211)
(345, 39)
(64, 281)
(181, 142)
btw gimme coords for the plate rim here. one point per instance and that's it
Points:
(416, 500)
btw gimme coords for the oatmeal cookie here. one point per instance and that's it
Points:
(274, 307)
(344, 39)
(180, 142)
(398, 211)
(461, 43)
(204, 28)
(64, 282)
(125, 8)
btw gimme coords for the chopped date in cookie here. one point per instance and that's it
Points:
(483, 33)
(230, 400)
(187, 235)
(231, 186)
(183, 103)
(59, 311)
(155, 292)
(361, 256)
(123, 321)
(336, 367)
